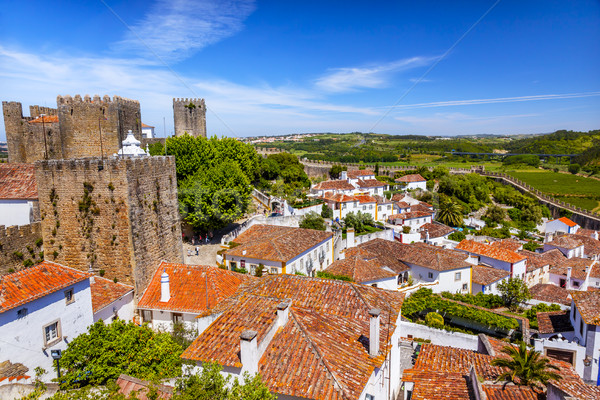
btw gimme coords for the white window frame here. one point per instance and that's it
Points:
(69, 296)
(274, 270)
(147, 313)
(50, 338)
(457, 276)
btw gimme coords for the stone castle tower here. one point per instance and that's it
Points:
(116, 214)
(72, 130)
(189, 116)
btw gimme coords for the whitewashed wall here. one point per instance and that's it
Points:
(121, 308)
(23, 339)
(446, 279)
(439, 336)
(16, 212)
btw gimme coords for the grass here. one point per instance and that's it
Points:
(583, 202)
(557, 183)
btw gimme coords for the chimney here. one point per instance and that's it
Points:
(91, 271)
(595, 235)
(374, 331)
(426, 235)
(349, 238)
(344, 175)
(249, 351)
(568, 284)
(283, 312)
(586, 281)
(165, 293)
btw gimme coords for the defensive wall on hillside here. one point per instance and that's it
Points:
(18, 244)
(119, 215)
(82, 127)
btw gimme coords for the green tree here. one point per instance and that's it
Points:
(495, 213)
(526, 367)
(574, 168)
(531, 246)
(457, 236)
(312, 220)
(106, 351)
(514, 291)
(210, 384)
(449, 213)
(326, 212)
(376, 169)
(335, 170)
(434, 320)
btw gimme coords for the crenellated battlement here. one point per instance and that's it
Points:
(68, 99)
(190, 116)
(35, 111)
(20, 230)
(188, 100)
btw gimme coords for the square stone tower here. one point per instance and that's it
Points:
(190, 117)
(116, 214)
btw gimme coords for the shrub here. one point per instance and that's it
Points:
(574, 168)
(329, 275)
(434, 320)
(457, 236)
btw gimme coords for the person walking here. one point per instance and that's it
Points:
(197, 250)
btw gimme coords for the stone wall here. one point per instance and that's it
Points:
(117, 215)
(189, 116)
(77, 132)
(18, 244)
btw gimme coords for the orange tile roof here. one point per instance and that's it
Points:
(565, 220)
(577, 265)
(508, 244)
(276, 243)
(424, 207)
(333, 185)
(105, 291)
(338, 197)
(435, 230)
(511, 392)
(496, 253)
(17, 181)
(146, 126)
(539, 260)
(402, 204)
(411, 178)
(319, 353)
(367, 183)
(567, 241)
(577, 389)
(361, 266)
(191, 286)
(554, 321)
(410, 215)
(429, 385)
(365, 198)
(38, 281)
(550, 293)
(45, 119)
(421, 254)
(588, 305)
(591, 246)
(355, 173)
(484, 275)
(398, 197)
(12, 370)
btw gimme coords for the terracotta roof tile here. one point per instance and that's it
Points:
(588, 305)
(577, 389)
(511, 392)
(334, 185)
(550, 293)
(554, 321)
(508, 244)
(318, 353)
(567, 241)
(17, 181)
(565, 220)
(591, 247)
(10, 370)
(402, 204)
(410, 215)
(484, 275)
(276, 243)
(539, 260)
(356, 173)
(338, 197)
(367, 183)
(496, 253)
(435, 230)
(38, 281)
(46, 119)
(146, 126)
(398, 197)
(586, 232)
(363, 266)
(578, 266)
(364, 198)
(438, 385)
(411, 178)
(191, 286)
(424, 207)
(105, 291)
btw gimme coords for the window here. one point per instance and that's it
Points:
(177, 318)
(253, 268)
(242, 264)
(465, 286)
(343, 205)
(575, 283)
(22, 313)
(69, 298)
(457, 276)
(301, 264)
(369, 397)
(233, 265)
(293, 268)
(147, 315)
(430, 275)
(374, 284)
(52, 333)
(581, 327)
(371, 207)
(364, 208)
(274, 270)
(379, 208)
(327, 246)
(389, 207)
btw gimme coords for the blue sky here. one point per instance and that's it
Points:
(278, 67)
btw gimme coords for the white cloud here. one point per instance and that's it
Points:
(376, 76)
(174, 29)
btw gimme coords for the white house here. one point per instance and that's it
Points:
(177, 293)
(281, 249)
(435, 233)
(385, 208)
(354, 175)
(431, 266)
(414, 219)
(576, 274)
(18, 194)
(351, 182)
(495, 256)
(111, 300)
(368, 205)
(334, 186)
(486, 279)
(41, 309)
(308, 338)
(412, 181)
(569, 245)
(147, 131)
(341, 204)
(562, 224)
(372, 187)
(539, 264)
(370, 268)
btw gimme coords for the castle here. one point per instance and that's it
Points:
(189, 116)
(78, 127)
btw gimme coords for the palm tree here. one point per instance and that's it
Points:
(525, 367)
(450, 213)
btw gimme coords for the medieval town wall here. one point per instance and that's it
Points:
(19, 244)
(189, 117)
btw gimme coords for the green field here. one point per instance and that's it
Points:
(583, 202)
(557, 183)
